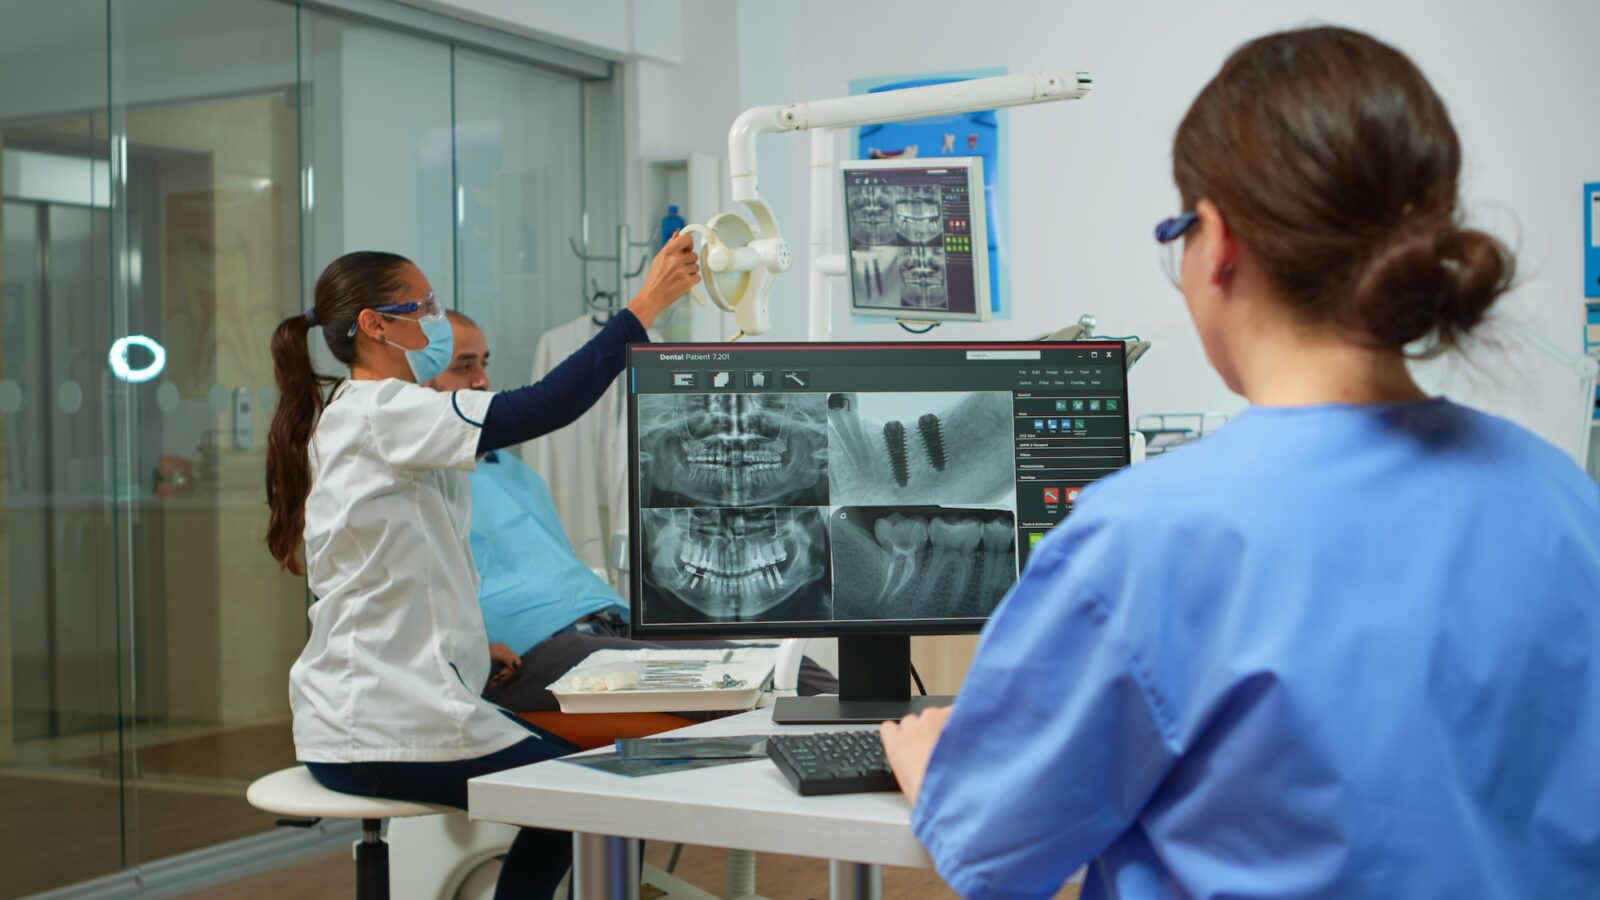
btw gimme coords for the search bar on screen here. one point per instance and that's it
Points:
(1003, 354)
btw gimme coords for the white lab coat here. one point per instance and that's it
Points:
(397, 654)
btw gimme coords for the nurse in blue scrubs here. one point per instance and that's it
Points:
(1349, 645)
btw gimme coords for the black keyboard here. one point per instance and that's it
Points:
(840, 762)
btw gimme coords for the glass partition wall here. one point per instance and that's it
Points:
(176, 172)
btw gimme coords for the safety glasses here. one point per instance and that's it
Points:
(1167, 233)
(427, 306)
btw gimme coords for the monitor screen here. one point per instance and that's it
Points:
(836, 489)
(918, 246)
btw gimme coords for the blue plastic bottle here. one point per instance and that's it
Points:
(671, 224)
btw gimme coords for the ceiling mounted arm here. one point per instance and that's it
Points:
(730, 250)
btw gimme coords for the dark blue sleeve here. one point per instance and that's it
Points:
(567, 392)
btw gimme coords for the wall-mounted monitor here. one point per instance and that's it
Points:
(918, 245)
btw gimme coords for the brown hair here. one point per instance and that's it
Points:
(1335, 163)
(351, 283)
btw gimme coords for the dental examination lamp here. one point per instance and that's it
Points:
(741, 257)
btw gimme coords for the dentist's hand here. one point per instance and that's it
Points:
(908, 744)
(674, 270)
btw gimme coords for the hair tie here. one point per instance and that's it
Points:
(311, 318)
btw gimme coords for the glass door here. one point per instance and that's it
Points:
(176, 173)
(206, 100)
(61, 704)
(56, 437)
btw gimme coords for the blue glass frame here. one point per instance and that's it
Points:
(396, 309)
(1172, 228)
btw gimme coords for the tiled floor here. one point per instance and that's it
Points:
(57, 832)
(72, 822)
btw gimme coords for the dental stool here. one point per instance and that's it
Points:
(441, 854)
(295, 795)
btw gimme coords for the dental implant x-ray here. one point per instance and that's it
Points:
(922, 448)
(896, 254)
(924, 562)
(733, 450)
(735, 565)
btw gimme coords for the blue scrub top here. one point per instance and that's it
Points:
(533, 584)
(1338, 651)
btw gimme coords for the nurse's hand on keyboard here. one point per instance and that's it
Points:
(909, 745)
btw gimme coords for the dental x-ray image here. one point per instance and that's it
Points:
(895, 258)
(733, 450)
(894, 214)
(734, 565)
(921, 562)
(871, 209)
(901, 277)
(921, 447)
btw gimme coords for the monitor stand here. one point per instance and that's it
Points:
(874, 686)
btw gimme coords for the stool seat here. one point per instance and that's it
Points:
(293, 792)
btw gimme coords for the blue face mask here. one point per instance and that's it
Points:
(430, 361)
(426, 362)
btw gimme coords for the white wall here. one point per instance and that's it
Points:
(1090, 178)
(674, 110)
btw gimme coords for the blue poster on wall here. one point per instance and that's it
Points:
(979, 134)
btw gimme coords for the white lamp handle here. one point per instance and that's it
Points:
(708, 239)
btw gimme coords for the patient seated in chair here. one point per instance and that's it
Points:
(545, 611)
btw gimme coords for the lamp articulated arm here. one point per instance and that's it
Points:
(741, 282)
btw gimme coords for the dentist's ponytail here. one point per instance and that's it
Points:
(353, 282)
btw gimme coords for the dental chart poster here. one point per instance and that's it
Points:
(981, 134)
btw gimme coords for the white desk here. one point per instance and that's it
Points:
(743, 806)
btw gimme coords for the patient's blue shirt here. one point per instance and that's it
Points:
(533, 585)
(1337, 651)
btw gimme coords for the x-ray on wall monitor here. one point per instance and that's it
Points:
(865, 491)
(918, 245)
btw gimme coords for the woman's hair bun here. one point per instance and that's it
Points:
(1334, 161)
(1430, 279)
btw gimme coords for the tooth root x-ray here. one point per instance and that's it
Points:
(736, 450)
(921, 562)
(894, 230)
(933, 447)
(734, 565)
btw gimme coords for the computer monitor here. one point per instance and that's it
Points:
(919, 248)
(864, 491)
